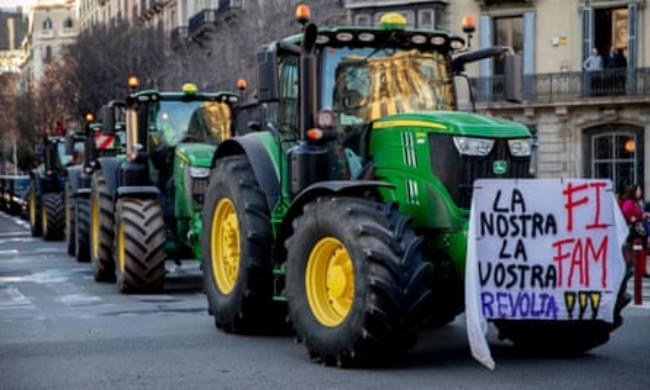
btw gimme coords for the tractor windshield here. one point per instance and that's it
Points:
(363, 84)
(192, 121)
(63, 157)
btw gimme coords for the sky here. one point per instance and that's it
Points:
(14, 3)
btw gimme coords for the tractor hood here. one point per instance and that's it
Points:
(196, 155)
(456, 123)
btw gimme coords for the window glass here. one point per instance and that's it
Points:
(194, 121)
(47, 24)
(288, 118)
(364, 84)
(508, 31)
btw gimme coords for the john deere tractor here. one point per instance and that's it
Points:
(96, 144)
(46, 192)
(146, 208)
(350, 204)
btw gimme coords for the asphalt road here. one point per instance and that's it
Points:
(61, 330)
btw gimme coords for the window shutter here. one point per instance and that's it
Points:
(485, 66)
(587, 32)
(632, 45)
(529, 53)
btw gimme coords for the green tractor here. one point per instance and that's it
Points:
(95, 144)
(146, 207)
(46, 201)
(350, 203)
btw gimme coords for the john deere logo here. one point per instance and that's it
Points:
(499, 167)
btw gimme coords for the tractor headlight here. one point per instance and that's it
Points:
(471, 146)
(520, 147)
(199, 173)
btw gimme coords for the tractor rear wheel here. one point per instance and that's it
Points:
(70, 216)
(53, 216)
(356, 283)
(34, 213)
(82, 230)
(563, 338)
(101, 229)
(139, 245)
(236, 245)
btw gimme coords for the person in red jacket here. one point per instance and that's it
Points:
(630, 206)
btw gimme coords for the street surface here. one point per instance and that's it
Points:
(61, 330)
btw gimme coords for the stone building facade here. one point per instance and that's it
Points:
(52, 25)
(587, 123)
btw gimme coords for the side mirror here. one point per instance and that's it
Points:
(69, 145)
(513, 83)
(267, 77)
(108, 119)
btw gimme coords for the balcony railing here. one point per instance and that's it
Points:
(567, 86)
(225, 5)
(202, 21)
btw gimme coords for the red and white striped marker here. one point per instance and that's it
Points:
(104, 141)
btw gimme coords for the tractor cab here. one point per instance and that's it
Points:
(376, 89)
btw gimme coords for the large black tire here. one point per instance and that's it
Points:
(53, 216)
(34, 212)
(70, 216)
(101, 229)
(247, 307)
(139, 248)
(391, 282)
(82, 230)
(563, 338)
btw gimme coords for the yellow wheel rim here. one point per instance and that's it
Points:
(329, 281)
(44, 220)
(224, 246)
(121, 248)
(32, 208)
(94, 226)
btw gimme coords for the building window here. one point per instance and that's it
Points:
(68, 23)
(508, 31)
(47, 24)
(615, 153)
(611, 36)
(426, 19)
(362, 20)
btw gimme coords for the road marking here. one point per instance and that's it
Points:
(9, 252)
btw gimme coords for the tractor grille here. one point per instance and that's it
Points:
(199, 187)
(458, 172)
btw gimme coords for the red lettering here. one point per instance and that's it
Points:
(571, 203)
(560, 257)
(576, 262)
(597, 223)
(600, 254)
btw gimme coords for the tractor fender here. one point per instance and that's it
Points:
(357, 188)
(265, 174)
(109, 167)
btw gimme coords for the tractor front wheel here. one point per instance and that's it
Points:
(236, 243)
(53, 216)
(139, 245)
(34, 213)
(101, 229)
(356, 283)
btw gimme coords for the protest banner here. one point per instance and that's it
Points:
(541, 249)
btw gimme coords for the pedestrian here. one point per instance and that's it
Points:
(593, 63)
(633, 214)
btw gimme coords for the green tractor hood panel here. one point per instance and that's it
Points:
(196, 155)
(456, 123)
